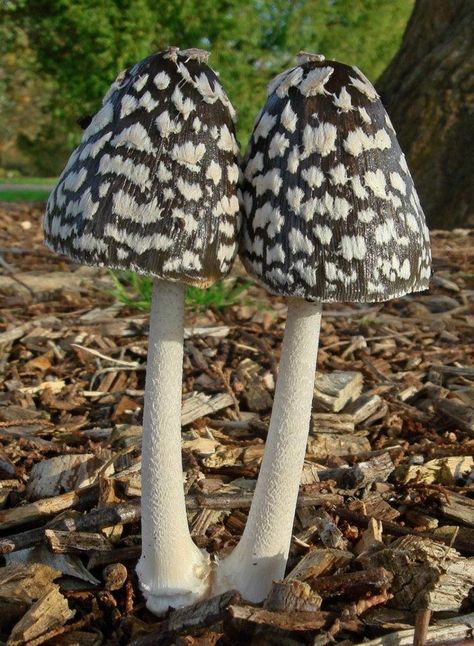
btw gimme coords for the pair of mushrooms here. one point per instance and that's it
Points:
(329, 212)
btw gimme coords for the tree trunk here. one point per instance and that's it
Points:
(428, 90)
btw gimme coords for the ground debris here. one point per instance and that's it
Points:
(385, 520)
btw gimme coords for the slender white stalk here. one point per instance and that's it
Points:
(172, 570)
(262, 553)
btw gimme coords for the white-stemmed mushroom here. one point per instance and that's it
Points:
(331, 214)
(152, 188)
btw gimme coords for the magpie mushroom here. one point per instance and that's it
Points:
(330, 215)
(152, 188)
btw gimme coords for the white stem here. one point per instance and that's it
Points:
(262, 553)
(172, 570)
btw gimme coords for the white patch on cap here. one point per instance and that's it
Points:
(93, 149)
(254, 164)
(74, 180)
(385, 231)
(189, 261)
(147, 102)
(128, 105)
(275, 254)
(138, 174)
(339, 174)
(164, 174)
(168, 194)
(278, 276)
(227, 228)
(330, 270)
(125, 206)
(162, 80)
(396, 180)
(205, 89)
(214, 172)
(320, 139)
(166, 125)
(395, 200)
(233, 172)
(104, 189)
(308, 274)
(196, 124)
(99, 121)
(268, 216)
(293, 161)
(226, 252)
(189, 190)
(136, 241)
(294, 197)
(315, 81)
(227, 205)
(135, 137)
(266, 123)
(188, 154)
(214, 132)
(337, 208)
(226, 140)
(257, 246)
(375, 180)
(278, 145)
(358, 141)
(247, 202)
(190, 223)
(271, 181)
(364, 86)
(366, 215)
(290, 79)
(412, 222)
(288, 118)
(140, 82)
(299, 242)
(364, 114)
(403, 164)
(313, 176)
(183, 105)
(310, 207)
(343, 101)
(323, 233)
(358, 188)
(353, 247)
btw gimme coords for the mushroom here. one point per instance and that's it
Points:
(331, 215)
(152, 188)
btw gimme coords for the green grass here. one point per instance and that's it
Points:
(23, 196)
(28, 180)
(135, 291)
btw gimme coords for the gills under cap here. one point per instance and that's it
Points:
(152, 187)
(330, 209)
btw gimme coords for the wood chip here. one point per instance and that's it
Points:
(334, 390)
(50, 611)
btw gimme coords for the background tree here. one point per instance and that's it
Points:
(429, 92)
(77, 47)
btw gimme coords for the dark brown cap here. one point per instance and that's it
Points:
(331, 212)
(152, 187)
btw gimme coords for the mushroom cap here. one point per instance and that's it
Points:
(152, 187)
(330, 209)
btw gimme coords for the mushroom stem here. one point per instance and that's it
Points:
(261, 555)
(172, 570)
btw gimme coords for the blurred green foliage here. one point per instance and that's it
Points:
(58, 57)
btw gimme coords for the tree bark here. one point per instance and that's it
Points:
(428, 90)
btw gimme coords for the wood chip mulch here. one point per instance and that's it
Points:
(383, 543)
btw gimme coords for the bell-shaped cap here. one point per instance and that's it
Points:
(152, 187)
(330, 210)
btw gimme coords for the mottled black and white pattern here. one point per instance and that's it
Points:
(330, 210)
(152, 187)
